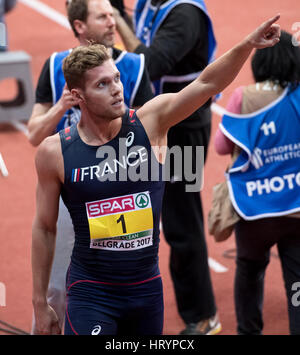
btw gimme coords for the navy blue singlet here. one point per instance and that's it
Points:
(116, 219)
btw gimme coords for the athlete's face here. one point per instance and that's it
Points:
(103, 92)
(100, 25)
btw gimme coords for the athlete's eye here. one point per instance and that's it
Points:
(117, 78)
(102, 84)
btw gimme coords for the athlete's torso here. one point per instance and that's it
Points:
(128, 210)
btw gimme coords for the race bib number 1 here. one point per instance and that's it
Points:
(121, 223)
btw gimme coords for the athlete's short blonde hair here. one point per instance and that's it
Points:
(80, 60)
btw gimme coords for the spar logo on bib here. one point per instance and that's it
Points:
(121, 223)
(106, 207)
(142, 200)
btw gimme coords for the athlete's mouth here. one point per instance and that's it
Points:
(117, 102)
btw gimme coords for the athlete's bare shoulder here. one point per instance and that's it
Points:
(49, 160)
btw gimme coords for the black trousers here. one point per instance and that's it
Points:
(254, 240)
(182, 219)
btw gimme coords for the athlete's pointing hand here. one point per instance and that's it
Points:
(266, 35)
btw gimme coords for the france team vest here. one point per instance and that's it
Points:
(147, 21)
(114, 193)
(264, 181)
(130, 66)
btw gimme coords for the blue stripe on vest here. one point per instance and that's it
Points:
(265, 179)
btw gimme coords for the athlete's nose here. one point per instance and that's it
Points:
(116, 88)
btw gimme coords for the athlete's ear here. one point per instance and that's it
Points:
(77, 95)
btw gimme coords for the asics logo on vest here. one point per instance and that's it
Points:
(129, 139)
(96, 330)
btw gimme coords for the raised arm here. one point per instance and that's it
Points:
(48, 165)
(164, 111)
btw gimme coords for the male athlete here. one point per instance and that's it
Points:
(55, 109)
(113, 284)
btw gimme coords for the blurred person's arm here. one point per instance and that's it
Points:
(46, 116)
(130, 41)
(144, 92)
(119, 6)
(179, 32)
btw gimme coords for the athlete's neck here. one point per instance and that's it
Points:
(100, 131)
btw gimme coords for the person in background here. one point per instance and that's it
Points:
(263, 119)
(5, 6)
(55, 109)
(178, 42)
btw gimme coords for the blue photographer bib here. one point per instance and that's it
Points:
(264, 181)
(148, 19)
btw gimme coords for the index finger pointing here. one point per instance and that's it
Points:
(269, 22)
